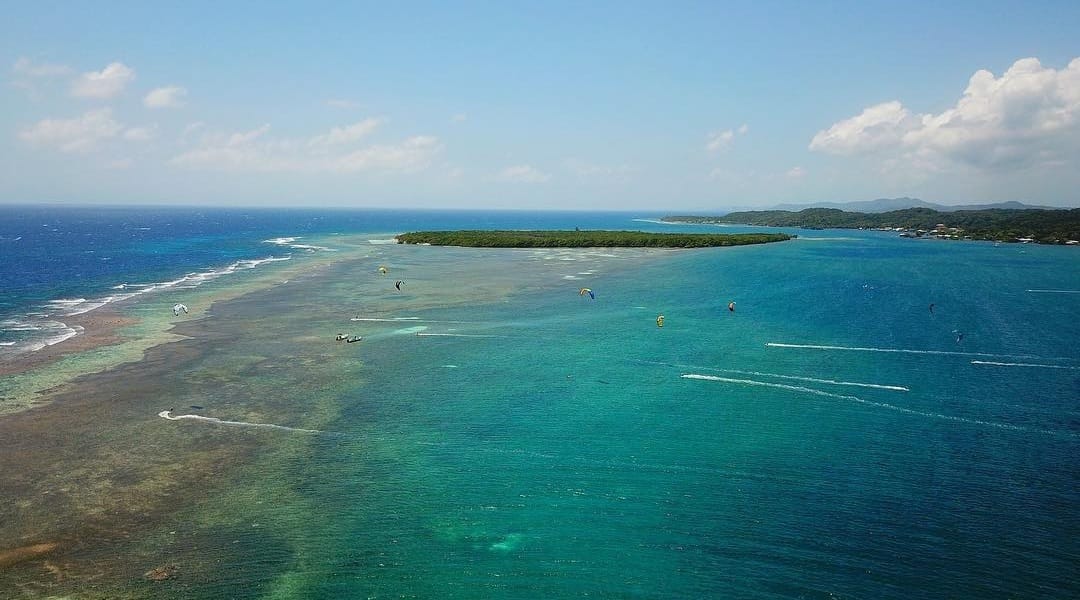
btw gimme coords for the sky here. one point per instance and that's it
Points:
(544, 105)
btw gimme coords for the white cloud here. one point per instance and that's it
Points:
(339, 103)
(459, 118)
(523, 174)
(347, 134)
(879, 126)
(119, 164)
(1029, 115)
(412, 154)
(333, 151)
(26, 67)
(796, 172)
(140, 134)
(171, 96)
(106, 83)
(73, 135)
(720, 140)
(592, 171)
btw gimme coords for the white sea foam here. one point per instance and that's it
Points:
(379, 242)
(281, 241)
(1009, 364)
(7, 343)
(901, 351)
(885, 405)
(1054, 291)
(288, 242)
(65, 307)
(166, 414)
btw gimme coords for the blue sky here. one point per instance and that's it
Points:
(620, 105)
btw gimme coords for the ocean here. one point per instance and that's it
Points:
(877, 417)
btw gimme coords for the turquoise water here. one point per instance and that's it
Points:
(834, 439)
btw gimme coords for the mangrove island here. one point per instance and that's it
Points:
(584, 239)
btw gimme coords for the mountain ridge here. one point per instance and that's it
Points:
(881, 205)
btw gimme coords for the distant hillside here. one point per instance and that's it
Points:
(1043, 226)
(890, 204)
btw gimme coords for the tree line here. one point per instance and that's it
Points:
(1044, 226)
(584, 239)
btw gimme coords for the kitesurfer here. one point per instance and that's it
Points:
(731, 306)
(660, 320)
(178, 308)
(340, 337)
(931, 308)
(397, 284)
(352, 339)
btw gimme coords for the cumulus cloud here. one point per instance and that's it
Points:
(720, 140)
(105, 83)
(1029, 115)
(80, 134)
(171, 96)
(878, 126)
(333, 151)
(523, 174)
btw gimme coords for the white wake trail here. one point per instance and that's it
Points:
(1033, 365)
(876, 386)
(885, 405)
(166, 414)
(901, 351)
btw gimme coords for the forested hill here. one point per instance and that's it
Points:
(1043, 226)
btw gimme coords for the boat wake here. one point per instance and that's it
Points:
(876, 386)
(884, 405)
(167, 414)
(904, 351)
(1033, 365)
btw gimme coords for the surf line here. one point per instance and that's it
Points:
(1005, 364)
(876, 386)
(885, 405)
(1054, 291)
(904, 351)
(167, 414)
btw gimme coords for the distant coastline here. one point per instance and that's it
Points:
(1000, 225)
(584, 239)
